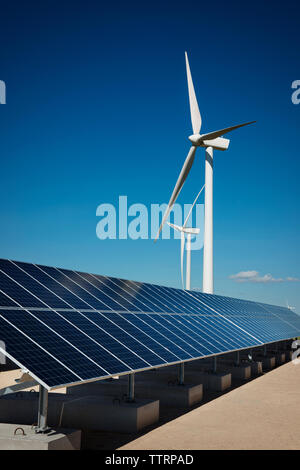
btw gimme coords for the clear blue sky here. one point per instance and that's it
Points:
(97, 107)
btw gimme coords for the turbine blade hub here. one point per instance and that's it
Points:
(195, 139)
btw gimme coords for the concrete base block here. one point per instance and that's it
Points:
(288, 355)
(256, 368)
(268, 362)
(279, 358)
(59, 439)
(240, 372)
(199, 372)
(217, 382)
(92, 413)
(107, 414)
(168, 393)
(173, 395)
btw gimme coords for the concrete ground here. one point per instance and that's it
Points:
(262, 414)
(7, 378)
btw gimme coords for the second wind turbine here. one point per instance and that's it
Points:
(187, 232)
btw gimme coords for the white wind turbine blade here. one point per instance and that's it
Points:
(215, 134)
(195, 113)
(180, 182)
(182, 242)
(190, 211)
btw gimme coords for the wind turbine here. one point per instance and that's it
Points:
(189, 232)
(209, 141)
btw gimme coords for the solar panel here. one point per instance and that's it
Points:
(256, 318)
(70, 327)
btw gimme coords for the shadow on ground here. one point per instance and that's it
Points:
(103, 440)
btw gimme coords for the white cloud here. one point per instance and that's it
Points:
(244, 275)
(253, 276)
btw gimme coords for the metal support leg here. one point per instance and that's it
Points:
(181, 374)
(215, 364)
(130, 395)
(43, 410)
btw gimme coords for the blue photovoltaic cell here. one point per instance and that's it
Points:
(16, 293)
(71, 327)
(61, 348)
(252, 317)
(97, 337)
(113, 325)
(147, 336)
(30, 285)
(283, 314)
(104, 294)
(177, 325)
(59, 293)
(43, 366)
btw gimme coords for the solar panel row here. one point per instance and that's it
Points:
(262, 320)
(69, 327)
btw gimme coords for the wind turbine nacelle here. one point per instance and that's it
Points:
(191, 230)
(219, 143)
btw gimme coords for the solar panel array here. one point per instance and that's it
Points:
(70, 327)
